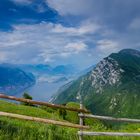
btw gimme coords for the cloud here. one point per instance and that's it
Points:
(70, 7)
(106, 46)
(74, 48)
(48, 42)
(66, 51)
(84, 28)
(82, 31)
(115, 14)
(42, 42)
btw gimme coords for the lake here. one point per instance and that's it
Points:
(43, 91)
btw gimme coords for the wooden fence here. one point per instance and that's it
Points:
(43, 103)
(23, 117)
(83, 114)
(110, 118)
(48, 121)
(81, 133)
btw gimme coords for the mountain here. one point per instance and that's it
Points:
(65, 69)
(47, 69)
(111, 88)
(14, 80)
(47, 73)
(36, 69)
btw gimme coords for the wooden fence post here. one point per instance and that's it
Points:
(81, 122)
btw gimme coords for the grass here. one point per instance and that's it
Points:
(14, 129)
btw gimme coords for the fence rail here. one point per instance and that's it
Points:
(81, 133)
(108, 134)
(43, 103)
(107, 118)
(24, 117)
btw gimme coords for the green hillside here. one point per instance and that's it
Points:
(111, 88)
(14, 129)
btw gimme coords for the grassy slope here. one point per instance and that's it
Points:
(14, 129)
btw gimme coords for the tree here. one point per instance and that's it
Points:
(27, 96)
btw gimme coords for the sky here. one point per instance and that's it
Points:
(77, 32)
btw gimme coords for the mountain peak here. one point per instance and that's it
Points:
(130, 52)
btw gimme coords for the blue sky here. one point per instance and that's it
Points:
(79, 32)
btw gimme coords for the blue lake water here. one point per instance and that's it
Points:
(43, 91)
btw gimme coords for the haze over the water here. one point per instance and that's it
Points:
(66, 31)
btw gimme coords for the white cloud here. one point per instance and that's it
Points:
(106, 46)
(84, 28)
(73, 48)
(70, 7)
(76, 47)
(42, 42)
(49, 42)
(66, 50)
(89, 40)
(55, 43)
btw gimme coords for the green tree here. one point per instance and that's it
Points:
(27, 96)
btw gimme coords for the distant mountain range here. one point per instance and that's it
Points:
(111, 88)
(14, 80)
(44, 68)
(17, 78)
(47, 73)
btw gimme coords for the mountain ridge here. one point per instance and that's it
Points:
(110, 85)
(14, 80)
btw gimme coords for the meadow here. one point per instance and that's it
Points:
(15, 129)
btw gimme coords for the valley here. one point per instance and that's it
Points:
(42, 91)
